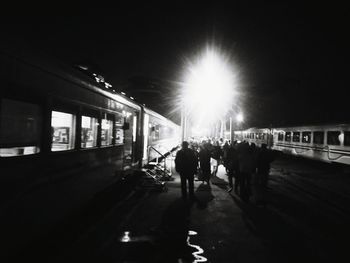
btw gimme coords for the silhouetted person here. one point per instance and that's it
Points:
(204, 162)
(225, 150)
(186, 164)
(247, 166)
(233, 167)
(265, 157)
(216, 155)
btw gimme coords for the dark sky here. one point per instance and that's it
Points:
(291, 58)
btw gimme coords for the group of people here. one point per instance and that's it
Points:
(247, 164)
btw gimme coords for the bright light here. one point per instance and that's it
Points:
(209, 87)
(239, 117)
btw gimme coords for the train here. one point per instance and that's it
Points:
(66, 135)
(327, 142)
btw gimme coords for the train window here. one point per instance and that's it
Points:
(280, 136)
(89, 127)
(318, 137)
(333, 138)
(296, 136)
(306, 137)
(347, 138)
(252, 136)
(288, 136)
(20, 125)
(106, 132)
(63, 131)
(119, 132)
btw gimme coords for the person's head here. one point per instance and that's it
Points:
(184, 144)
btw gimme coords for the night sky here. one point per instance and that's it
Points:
(291, 58)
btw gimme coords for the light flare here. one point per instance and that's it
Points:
(209, 87)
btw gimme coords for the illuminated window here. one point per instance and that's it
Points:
(89, 129)
(296, 136)
(63, 131)
(280, 136)
(347, 138)
(288, 136)
(306, 137)
(119, 132)
(333, 138)
(319, 137)
(20, 125)
(106, 132)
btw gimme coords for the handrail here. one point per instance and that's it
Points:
(156, 151)
(164, 157)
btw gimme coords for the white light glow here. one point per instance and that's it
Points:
(239, 117)
(209, 87)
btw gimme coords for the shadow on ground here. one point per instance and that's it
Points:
(203, 196)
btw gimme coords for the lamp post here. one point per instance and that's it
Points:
(183, 123)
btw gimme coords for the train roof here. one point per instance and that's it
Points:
(159, 116)
(64, 71)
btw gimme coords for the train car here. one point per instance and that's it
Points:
(64, 136)
(329, 143)
(258, 136)
(160, 134)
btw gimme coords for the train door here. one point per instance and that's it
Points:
(130, 139)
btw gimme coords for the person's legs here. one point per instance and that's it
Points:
(230, 181)
(183, 185)
(237, 181)
(191, 184)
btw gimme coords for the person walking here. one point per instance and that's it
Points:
(233, 167)
(247, 166)
(204, 162)
(216, 157)
(225, 160)
(186, 164)
(265, 157)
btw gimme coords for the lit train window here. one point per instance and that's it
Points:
(296, 136)
(306, 137)
(288, 136)
(119, 132)
(333, 138)
(347, 138)
(20, 128)
(63, 131)
(106, 132)
(280, 136)
(318, 137)
(89, 127)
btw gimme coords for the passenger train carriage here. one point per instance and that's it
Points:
(329, 143)
(64, 137)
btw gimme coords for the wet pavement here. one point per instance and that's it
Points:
(153, 225)
(162, 227)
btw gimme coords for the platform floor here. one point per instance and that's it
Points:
(149, 225)
(216, 227)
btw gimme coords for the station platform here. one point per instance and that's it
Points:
(152, 224)
(160, 226)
